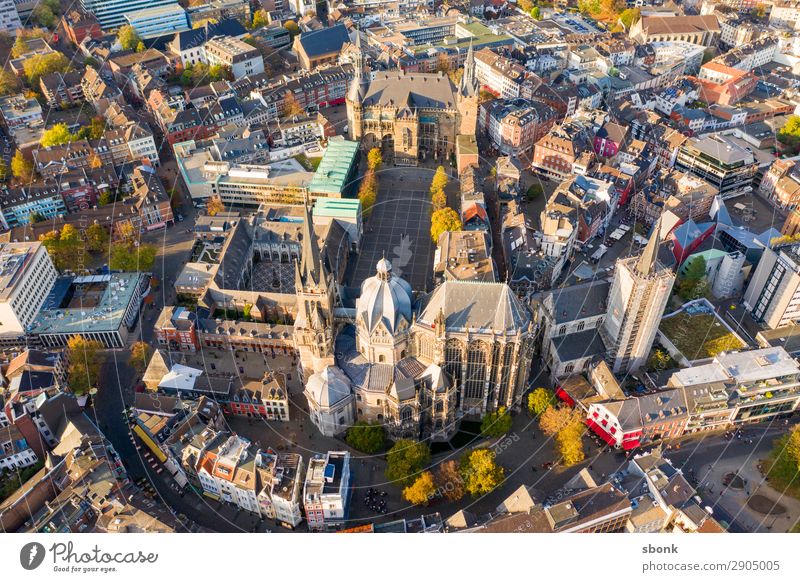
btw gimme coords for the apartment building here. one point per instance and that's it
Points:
(326, 493)
(26, 277)
(241, 58)
(281, 486)
(500, 75)
(62, 89)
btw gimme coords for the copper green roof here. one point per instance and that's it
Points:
(333, 172)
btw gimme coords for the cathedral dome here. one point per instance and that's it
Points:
(328, 387)
(384, 298)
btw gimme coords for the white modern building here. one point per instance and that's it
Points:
(112, 13)
(326, 494)
(9, 17)
(159, 21)
(773, 295)
(26, 277)
(241, 58)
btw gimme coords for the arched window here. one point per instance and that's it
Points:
(476, 370)
(406, 415)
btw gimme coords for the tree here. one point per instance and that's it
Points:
(485, 95)
(96, 237)
(140, 356)
(57, 135)
(479, 471)
(291, 106)
(443, 220)
(693, 275)
(783, 469)
(565, 424)
(38, 66)
(789, 134)
(365, 437)
(525, 5)
(374, 159)
(132, 258)
(292, 27)
(439, 200)
(218, 73)
(368, 192)
(85, 358)
(536, 13)
(140, 46)
(449, 481)
(422, 490)
(3, 170)
(496, 423)
(557, 418)
(20, 46)
(439, 180)
(8, 83)
(43, 15)
(405, 460)
(128, 37)
(533, 192)
(540, 400)
(91, 62)
(630, 17)
(94, 130)
(247, 311)
(215, 206)
(21, 168)
(106, 197)
(659, 360)
(260, 19)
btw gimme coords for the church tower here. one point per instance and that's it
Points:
(468, 96)
(314, 288)
(356, 92)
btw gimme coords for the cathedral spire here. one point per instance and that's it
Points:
(469, 85)
(310, 270)
(358, 86)
(646, 262)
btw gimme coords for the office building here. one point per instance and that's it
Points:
(159, 21)
(112, 13)
(773, 295)
(26, 277)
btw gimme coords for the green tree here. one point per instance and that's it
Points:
(247, 311)
(365, 437)
(439, 180)
(132, 258)
(106, 197)
(57, 135)
(540, 400)
(783, 468)
(630, 17)
(38, 66)
(695, 273)
(789, 134)
(85, 359)
(374, 159)
(128, 37)
(449, 481)
(536, 13)
(405, 461)
(533, 192)
(21, 168)
(260, 19)
(8, 83)
(140, 356)
(43, 15)
(421, 491)
(292, 27)
(218, 73)
(479, 471)
(497, 423)
(443, 220)
(96, 238)
(140, 47)
(20, 46)
(659, 360)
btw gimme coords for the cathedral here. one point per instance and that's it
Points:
(411, 116)
(416, 366)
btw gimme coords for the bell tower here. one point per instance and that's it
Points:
(356, 92)
(468, 94)
(314, 288)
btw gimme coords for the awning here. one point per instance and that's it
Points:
(628, 445)
(150, 444)
(601, 432)
(564, 397)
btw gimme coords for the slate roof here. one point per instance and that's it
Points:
(580, 301)
(194, 38)
(325, 41)
(400, 89)
(476, 306)
(579, 345)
